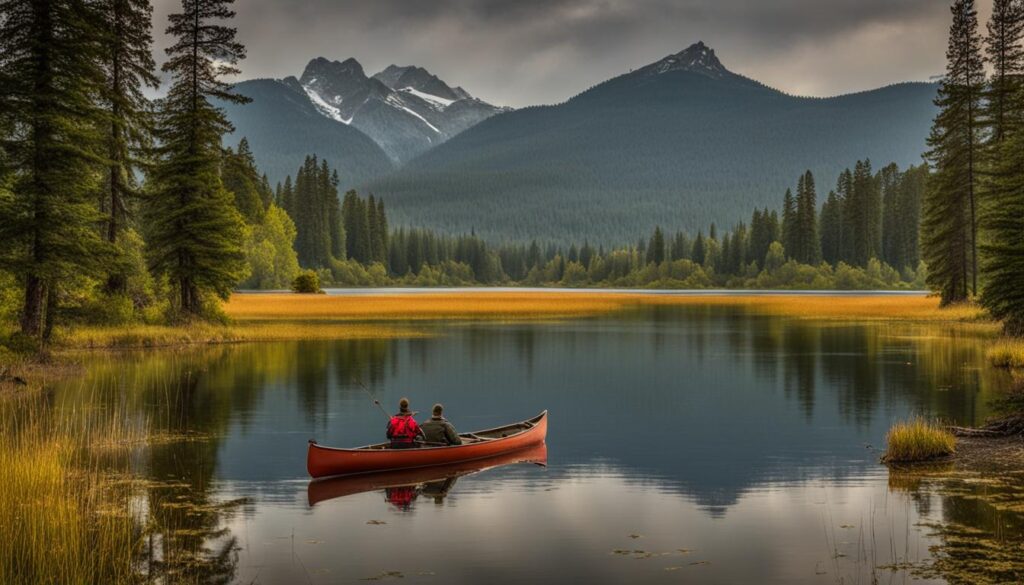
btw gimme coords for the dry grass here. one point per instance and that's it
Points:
(428, 306)
(918, 440)
(1007, 353)
(144, 336)
(61, 520)
(533, 305)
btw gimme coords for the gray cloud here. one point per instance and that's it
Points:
(524, 52)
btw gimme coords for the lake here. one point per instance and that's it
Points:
(685, 444)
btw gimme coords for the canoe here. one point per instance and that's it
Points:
(324, 461)
(329, 488)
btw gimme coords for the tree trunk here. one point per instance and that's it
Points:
(34, 309)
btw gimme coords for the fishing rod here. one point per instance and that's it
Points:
(373, 398)
(388, 416)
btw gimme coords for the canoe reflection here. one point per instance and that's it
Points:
(402, 487)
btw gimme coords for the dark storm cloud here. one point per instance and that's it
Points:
(541, 51)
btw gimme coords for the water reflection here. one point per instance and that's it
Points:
(402, 487)
(689, 423)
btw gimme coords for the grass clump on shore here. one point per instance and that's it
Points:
(918, 439)
(1007, 353)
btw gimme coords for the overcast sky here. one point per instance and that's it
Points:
(524, 52)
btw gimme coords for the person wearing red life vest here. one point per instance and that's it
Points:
(402, 428)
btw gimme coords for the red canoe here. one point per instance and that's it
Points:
(329, 488)
(325, 461)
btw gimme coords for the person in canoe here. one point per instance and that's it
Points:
(438, 431)
(403, 429)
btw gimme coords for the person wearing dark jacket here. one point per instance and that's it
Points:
(438, 431)
(402, 428)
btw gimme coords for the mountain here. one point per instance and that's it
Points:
(283, 126)
(406, 110)
(681, 142)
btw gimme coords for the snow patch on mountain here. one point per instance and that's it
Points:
(432, 99)
(325, 108)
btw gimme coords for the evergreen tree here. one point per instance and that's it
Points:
(195, 232)
(889, 185)
(831, 229)
(862, 216)
(52, 80)
(948, 225)
(242, 179)
(1005, 53)
(808, 246)
(699, 253)
(844, 190)
(127, 60)
(656, 248)
(763, 231)
(285, 200)
(382, 229)
(789, 221)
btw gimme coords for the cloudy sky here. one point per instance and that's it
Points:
(523, 52)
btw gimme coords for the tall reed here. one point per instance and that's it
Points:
(61, 518)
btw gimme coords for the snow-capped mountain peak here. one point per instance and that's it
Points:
(405, 109)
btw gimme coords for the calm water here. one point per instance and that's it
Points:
(685, 445)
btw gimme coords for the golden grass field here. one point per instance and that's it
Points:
(485, 305)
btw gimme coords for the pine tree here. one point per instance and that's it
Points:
(789, 221)
(241, 177)
(948, 225)
(285, 200)
(52, 80)
(844, 190)
(831, 229)
(382, 229)
(808, 246)
(892, 222)
(195, 234)
(127, 60)
(862, 216)
(1005, 53)
(699, 253)
(656, 247)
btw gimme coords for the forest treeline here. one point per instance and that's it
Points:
(864, 237)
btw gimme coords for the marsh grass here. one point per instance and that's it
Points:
(61, 518)
(1007, 353)
(918, 439)
(150, 336)
(540, 304)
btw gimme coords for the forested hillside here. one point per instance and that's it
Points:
(683, 142)
(282, 126)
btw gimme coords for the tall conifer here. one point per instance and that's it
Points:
(52, 81)
(195, 234)
(948, 224)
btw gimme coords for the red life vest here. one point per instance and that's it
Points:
(403, 429)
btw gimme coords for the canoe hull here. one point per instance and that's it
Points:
(328, 461)
(329, 488)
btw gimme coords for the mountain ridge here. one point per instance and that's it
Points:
(682, 142)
